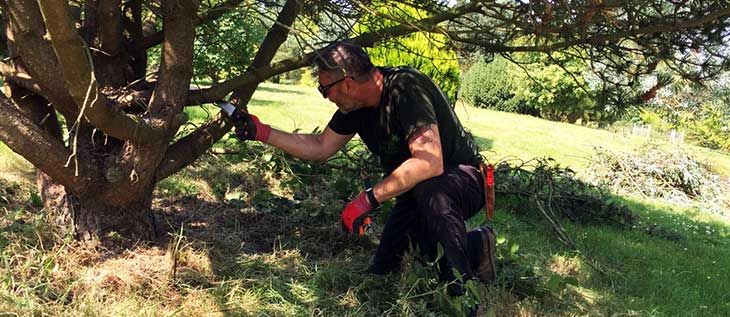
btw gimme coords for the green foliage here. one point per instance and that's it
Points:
(558, 95)
(546, 91)
(293, 47)
(656, 120)
(224, 47)
(427, 52)
(177, 187)
(515, 272)
(17, 195)
(703, 112)
(420, 293)
(492, 86)
(712, 129)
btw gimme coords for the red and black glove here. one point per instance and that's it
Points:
(355, 216)
(248, 127)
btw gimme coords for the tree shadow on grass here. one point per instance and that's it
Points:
(275, 252)
(264, 103)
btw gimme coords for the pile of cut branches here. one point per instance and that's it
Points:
(540, 185)
(672, 176)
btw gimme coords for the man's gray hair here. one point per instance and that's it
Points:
(344, 57)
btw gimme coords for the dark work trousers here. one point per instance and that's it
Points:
(431, 213)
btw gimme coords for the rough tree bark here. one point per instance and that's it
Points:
(107, 170)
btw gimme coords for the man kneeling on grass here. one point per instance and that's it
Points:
(431, 162)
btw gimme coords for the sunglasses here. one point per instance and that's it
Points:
(323, 89)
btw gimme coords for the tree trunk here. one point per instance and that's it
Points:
(132, 221)
(56, 202)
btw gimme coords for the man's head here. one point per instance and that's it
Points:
(344, 71)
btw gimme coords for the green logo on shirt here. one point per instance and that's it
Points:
(392, 146)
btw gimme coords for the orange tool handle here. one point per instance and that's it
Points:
(365, 224)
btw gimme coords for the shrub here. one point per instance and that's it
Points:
(712, 130)
(491, 86)
(554, 93)
(547, 91)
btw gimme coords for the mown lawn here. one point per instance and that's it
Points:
(255, 233)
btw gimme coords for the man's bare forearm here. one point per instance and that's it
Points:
(303, 146)
(405, 177)
(426, 161)
(315, 147)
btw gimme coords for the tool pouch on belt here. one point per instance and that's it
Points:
(488, 175)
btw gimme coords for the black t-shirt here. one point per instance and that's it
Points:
(410, 100)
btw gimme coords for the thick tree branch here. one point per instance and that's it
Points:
(132, 23)
(36, 54)
(44, 151)
(36, 108)
(22, 79)
(188, 149)
(109, 26)
(166, 104)
(212, 14)
(80, 81)
(268, 48)
(176, 67)
(105, 42)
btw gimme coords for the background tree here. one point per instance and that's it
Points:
(428, 52)
(83, 69)
(493, 85)
(702, 112)
(221, 49)
(527, 85)
(557, 92)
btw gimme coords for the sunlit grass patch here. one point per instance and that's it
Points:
(13, 167)
(566, 266)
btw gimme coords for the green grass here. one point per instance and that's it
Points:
(507, 134)
(645, 275)
(244, 249)
(13, 166)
